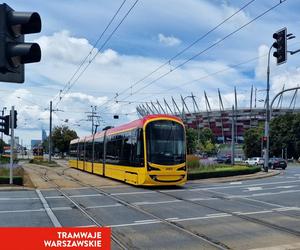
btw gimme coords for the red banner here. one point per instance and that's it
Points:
(90, 238)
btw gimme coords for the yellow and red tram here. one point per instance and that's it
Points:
(149, 151)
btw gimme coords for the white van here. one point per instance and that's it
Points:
(255, 161)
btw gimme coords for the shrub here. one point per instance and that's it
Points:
(192, 161)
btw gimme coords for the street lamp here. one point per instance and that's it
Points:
(183, 103)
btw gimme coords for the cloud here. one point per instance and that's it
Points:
(168, 40)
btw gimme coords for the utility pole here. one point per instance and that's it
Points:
(232, 136)
(12, 143)
(50, 133)
(91, 116)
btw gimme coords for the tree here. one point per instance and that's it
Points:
(206, 141)
(2, 144)
(205, 135)
(191, 140)
(252, 142)
(285, 135)
(61, 138)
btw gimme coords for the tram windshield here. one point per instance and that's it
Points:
(165, 142)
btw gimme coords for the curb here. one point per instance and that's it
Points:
(258, 175)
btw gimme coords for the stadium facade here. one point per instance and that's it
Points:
(220, 121)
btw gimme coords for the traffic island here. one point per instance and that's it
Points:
(18, 174)
(217, 171)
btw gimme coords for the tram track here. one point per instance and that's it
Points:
(240, 216)
(178, 226)
(175, 224)
(78, 206)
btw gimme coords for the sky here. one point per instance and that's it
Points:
(117, 74)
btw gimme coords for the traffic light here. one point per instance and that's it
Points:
(5, 124)
(14, 52)
(280, 45)
(15, 118)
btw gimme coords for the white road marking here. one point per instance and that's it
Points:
(174, 190)
(154, 202)
(244, 186)
(292, 246)
(60, 208)
(286, 209)
(85, 195)
(103, 206)
(146, 222)
(253, 189)
(134, 224)
(261, 194)
(263, 202)
(130, 193)
(204, 217)
(142, 221)
(217, 214)
(22, 211)
(171, 219)
(257, 212)
(73, 196)
(202, 199)
(48, 209)
(235, 183)
(18, 199)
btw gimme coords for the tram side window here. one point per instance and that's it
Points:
(89, 151)
(137, 150)
(98, 154)
(109, 149)
(126, 149)
(81, 151)
(73, 151)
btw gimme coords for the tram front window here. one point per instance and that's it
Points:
(165, 142)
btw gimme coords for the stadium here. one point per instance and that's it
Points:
(222, 120)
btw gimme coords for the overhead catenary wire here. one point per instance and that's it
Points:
(184, 50)
(208, 48)
(100, 49)
(91, 51)
(205, 50)
(229, 67)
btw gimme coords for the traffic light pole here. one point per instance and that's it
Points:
(50, 133)
(12, 144)
(267, 123)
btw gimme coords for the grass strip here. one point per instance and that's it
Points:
(221, 172)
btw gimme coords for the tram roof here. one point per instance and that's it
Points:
(126, 127)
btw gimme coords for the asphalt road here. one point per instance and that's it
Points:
(253, 214)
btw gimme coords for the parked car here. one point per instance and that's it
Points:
(277, 163)
(223, 159)
(255, 161)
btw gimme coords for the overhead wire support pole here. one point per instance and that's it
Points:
(12, 144)
(50, 133)
(232, 135)
(235, 113)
